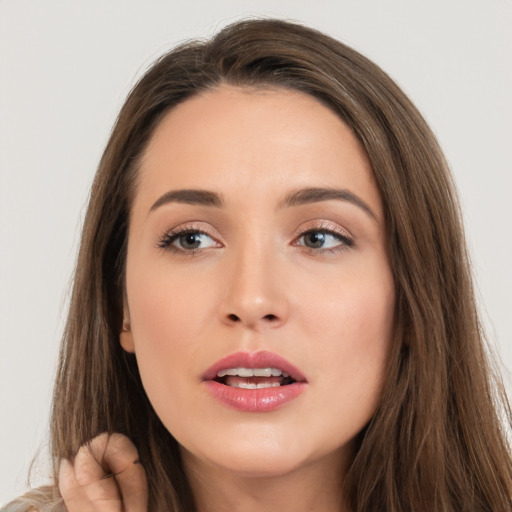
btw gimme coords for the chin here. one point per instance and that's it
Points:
(260, 465)
(255, 454)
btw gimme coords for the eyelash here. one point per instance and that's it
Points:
(167, 240)
(346, 242)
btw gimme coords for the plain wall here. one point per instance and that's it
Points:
(65, 68)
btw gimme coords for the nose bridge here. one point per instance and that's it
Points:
(254, 297)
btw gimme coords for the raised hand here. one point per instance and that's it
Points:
(105, 476)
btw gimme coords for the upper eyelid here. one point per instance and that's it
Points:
(305, 227)
(164, 240)
(192, 227)
(343, 239)
(323, 225)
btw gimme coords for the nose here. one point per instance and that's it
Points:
(255, 292)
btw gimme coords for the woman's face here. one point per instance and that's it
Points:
(259, 292)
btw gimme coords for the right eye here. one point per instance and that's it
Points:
(187, 241)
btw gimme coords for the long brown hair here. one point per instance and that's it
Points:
(437, 440)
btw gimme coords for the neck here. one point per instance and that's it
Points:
(312, 487)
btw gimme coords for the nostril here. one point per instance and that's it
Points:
(232, 318)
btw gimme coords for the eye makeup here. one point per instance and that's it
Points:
(185, 240)
(324, 237)
(316, 237)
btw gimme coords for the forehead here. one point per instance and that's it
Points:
(237, 138)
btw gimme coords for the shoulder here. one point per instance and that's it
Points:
(21, 505)
(41, 499)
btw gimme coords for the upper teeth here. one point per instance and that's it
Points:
(253, 372)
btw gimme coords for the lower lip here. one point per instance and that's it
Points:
(255, 400)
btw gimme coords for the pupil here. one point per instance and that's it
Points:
(190, 241)
(315, 239)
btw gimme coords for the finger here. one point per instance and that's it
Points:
(121, 456)
(71, 491)
(102, 492)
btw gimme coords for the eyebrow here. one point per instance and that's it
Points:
(189, 196)
(297, 198)
(315, 195)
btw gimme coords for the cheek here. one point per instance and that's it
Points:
(168, 309)
(353, 329)
(353, 312)
(169, 315)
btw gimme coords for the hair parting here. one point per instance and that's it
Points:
(438, 440)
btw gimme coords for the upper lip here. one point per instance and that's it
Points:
(261, 359)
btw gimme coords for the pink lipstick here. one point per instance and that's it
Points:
(254, 381)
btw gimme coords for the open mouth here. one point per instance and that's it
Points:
(260, 381)
(253, 378)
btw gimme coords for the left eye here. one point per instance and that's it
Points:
(321, 240)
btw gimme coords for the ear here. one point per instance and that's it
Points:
(125, 336)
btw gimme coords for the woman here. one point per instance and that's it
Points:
(272, 299)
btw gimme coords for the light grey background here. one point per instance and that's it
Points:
(65, 68)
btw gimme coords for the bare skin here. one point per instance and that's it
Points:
(304, 490)
(104, 477)
(309, 280)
